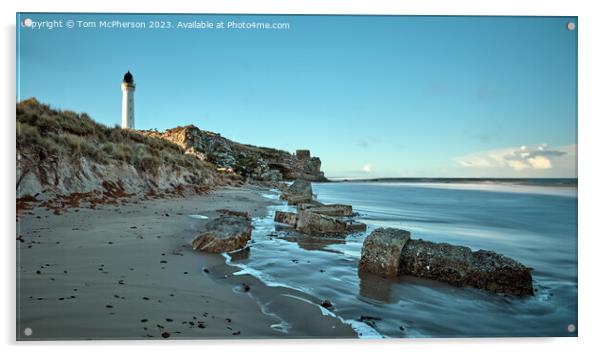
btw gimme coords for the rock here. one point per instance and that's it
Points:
(258, 163)
(284, 217)
(224, 234)
(381, 251)
(459, 266)
(355, 227)
(326, 304)
(369, 320)
(312, 223)
(298, 192)
(242, 214)
(329, 209)
(271, 175)
(316, 224)
(391, 252)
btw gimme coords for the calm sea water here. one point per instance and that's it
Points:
(536, 225)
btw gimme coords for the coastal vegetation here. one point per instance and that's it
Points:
(50, 133)
(64, 152)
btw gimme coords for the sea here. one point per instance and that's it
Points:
(533, 221)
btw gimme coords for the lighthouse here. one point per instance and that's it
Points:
(127, 102)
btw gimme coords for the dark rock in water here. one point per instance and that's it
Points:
(354, 227)
(226, 233)
(326, 304)
(459, 266)
(328, 209)
(165, 335)
(369, 320)
(298, 192)
(391, 252)
(317, 224)
(314, 218)
(381, 251)
(284, 217)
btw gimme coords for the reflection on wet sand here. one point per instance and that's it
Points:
(311, 243)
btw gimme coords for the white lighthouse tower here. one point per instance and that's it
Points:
(127, 103)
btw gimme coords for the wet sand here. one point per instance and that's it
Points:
(128, 272)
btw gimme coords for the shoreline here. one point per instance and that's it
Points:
(127, 271)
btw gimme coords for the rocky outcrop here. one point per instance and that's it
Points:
(63, 152)
(382, 250)
(390, 252)
(229, 232)
(258, 163)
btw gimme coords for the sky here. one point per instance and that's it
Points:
(390, 96)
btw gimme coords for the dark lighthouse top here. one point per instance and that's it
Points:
(128, 77)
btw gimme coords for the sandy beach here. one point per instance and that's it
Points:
(128, 272)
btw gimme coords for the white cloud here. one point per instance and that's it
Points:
(367, 168)
(540, 162)
(521, 159)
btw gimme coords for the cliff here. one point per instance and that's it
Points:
(258, 163)
(63, 152)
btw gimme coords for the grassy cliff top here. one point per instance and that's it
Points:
(46, 133)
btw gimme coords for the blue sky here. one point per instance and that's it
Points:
(372, 96)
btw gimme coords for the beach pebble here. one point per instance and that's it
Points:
(326, 304)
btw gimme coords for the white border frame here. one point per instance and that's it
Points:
(589, 172)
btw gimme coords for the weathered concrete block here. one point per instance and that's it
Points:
(329, 209)
(228, 232)
(381, 251)
(298, 192)
(354, 227)
(317, 224)
(459, 266)
(285, 217)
